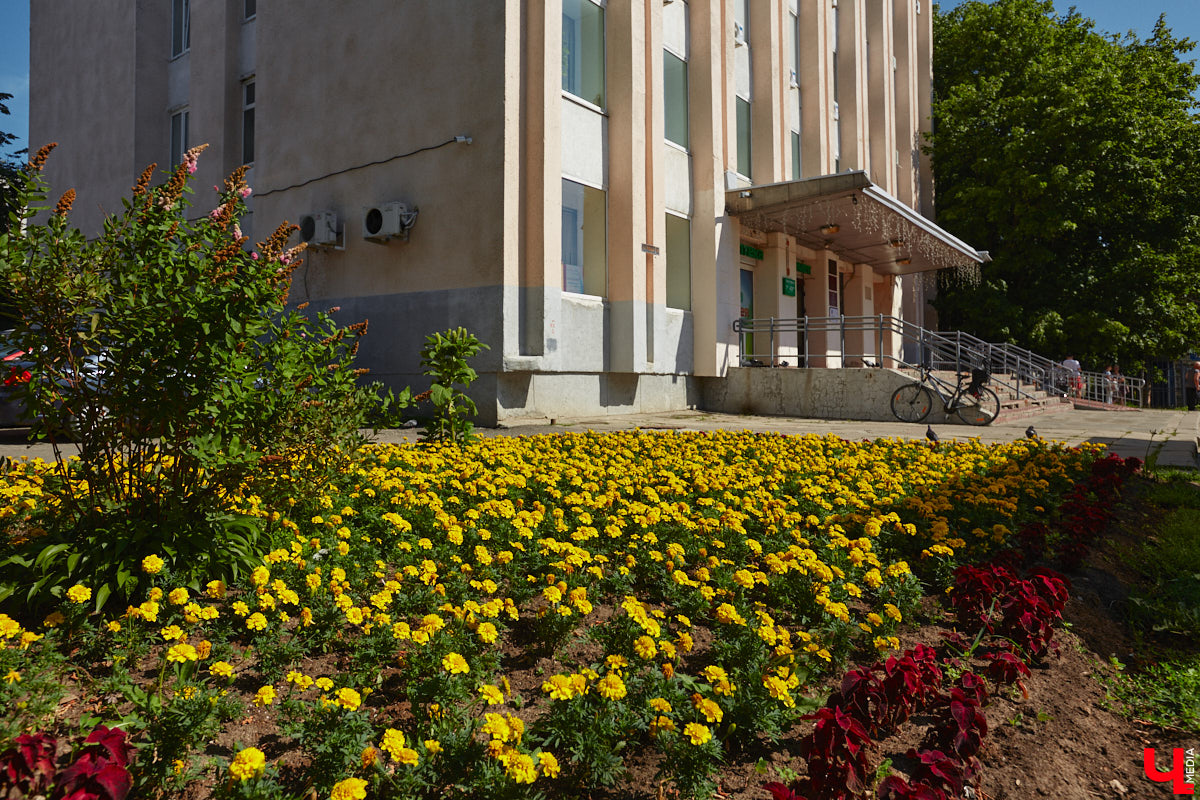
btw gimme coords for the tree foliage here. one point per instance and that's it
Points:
(1072, 157)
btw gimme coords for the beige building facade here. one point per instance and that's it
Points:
(597, 189)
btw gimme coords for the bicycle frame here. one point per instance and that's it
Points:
(951, 397)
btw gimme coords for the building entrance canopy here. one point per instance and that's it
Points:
(849, 215)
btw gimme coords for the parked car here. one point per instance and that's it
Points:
(17, 371)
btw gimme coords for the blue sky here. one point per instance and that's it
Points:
(1113, 16)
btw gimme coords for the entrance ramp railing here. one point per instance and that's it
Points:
(887, 341)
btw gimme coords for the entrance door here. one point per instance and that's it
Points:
(747, 309)
(833, 283)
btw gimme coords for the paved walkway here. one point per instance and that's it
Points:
(1172, 434)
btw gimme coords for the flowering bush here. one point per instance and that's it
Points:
(165, 349)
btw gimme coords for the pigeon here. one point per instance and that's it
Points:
(930, 435)
(1031, 433)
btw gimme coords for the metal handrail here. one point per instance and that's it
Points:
(1015, 368)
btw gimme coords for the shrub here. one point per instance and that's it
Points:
(444, 358)
(165, 349)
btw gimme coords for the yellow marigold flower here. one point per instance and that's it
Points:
(455, 664)
(178, 596)
(874, 619)
(12, 676)
(79, 594)
(433, 746)
(392, 741)
(552, 594)
(54, 619)
(182, 652)
(349, 789)
(709, 709)
(661, 723)
(491, 694)
(369, 757)
(487, 632)
(324, 684)
(264, 696)
(240, 608)
(892, 611)
(611, 687)
(152, 565)
(559, 687)
(660, 705)
(221, 669)
(171, 633)
(256, 622)
(644, 646)
(728, 614)
(260, 576)
(548, 764)
(204, 649)
(114, 626)
(348, 699)
(247, 764)
(698, 734)
(216, 589)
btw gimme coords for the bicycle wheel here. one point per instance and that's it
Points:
(979, 410)
(911, 402)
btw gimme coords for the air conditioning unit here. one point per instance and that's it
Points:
(320, 229)
(739, 35)
(388, 220)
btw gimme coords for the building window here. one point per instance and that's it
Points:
(179, 136)
(181, 26)
(743, 137)
(679, 262)
(584, 239)
(248, 123)
(675, 97)
(583, 50)
(249, 9)
(795, 155)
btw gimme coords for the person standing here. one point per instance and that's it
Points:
(1192, 386)
(1074, 378)
(1110, 384)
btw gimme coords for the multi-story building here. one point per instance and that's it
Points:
(595, 188)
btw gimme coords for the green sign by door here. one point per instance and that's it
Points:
(789, 287)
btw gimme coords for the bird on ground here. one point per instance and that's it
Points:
(1031, 433)
(930, 434)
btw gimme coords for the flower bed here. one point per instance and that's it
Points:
(686, 588)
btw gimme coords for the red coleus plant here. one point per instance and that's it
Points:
(1005, 667)
(27, 769)
(883, 696)
(836, 751)
(100, 771)
(962, 730)
(893, 787)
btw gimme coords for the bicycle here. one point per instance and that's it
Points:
(974, 403)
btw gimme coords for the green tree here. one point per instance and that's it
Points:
(11, 180)
(1072, 157)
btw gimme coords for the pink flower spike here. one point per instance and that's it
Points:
(245, 191)
(254, 256)
(216, 212)
(191, 166)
